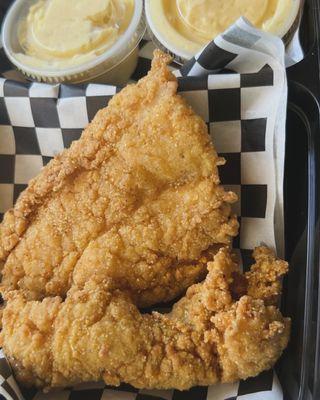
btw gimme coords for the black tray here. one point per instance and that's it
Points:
(299, 368)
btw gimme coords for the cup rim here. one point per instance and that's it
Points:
(159, 36)
(291, 18)
(116, 48)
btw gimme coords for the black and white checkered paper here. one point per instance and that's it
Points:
(238, 85)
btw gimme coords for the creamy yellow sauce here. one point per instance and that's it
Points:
(190, 24)
(66, 33)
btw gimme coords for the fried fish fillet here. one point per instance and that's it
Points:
(136, 203)
(226, 328)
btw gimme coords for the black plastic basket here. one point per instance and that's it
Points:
(299, 368)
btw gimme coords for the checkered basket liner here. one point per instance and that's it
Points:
(237, 84)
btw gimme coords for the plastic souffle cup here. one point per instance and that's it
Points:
(114, 66)
(166, 37)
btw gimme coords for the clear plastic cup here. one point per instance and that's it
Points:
(114, 66)
(162, 38)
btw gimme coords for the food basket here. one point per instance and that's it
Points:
(299, 368)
